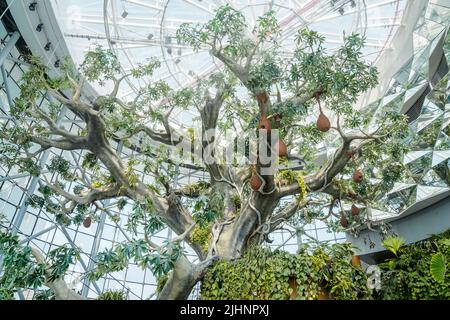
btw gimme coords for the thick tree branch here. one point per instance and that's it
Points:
(58, 286)
(62, 143)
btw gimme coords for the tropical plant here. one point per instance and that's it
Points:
(418, 271)
(438, 267)
(393, 243)
(278, 275)
(112, 295)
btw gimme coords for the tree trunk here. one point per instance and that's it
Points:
(183, 278)
(180, 283)
(236, 237)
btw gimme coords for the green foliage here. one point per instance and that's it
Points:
(201, 235)
(10, 151)
(227, 22)
(60, 259)
(393, 243)
(237, 201)
(112, 295)
(265, 73)
(143, 216)
(100, 65)
(89, 161)
(287, 177)
(146, 69)
(196, 187)
(207, 208)
(263, 274)
(60, 165)
(21, 270)
(267, 26)
(32, 85)
(438, 267)
(159, 261)
(44, 295)
(418, 272)
(161, 282)
(341, 76)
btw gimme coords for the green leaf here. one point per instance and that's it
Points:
(393, 243)
(438, 267)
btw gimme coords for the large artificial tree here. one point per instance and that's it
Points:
(307, 98)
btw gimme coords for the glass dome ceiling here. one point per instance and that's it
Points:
(137, 30)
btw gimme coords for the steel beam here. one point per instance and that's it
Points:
(9, 46)
(97, 239)
(5, 83)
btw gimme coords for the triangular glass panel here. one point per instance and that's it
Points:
(378, 215)
(439, 156)
(424, 192)
(419, 167)
(390, 99)
(414, 155)
(429, 108)
(443, 171)
(424, 122)
(399, 186)
(442, 142)
(431, 179)
(401, 199)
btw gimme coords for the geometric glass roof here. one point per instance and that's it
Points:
(137, 30)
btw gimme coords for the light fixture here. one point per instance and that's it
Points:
(150, 36)
(39, 27)
(32, 6)
(124, 14)
(353, 3)
(47, 46)
(341, 10)
(57, 63)
(177, 61)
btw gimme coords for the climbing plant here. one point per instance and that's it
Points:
(314, 272)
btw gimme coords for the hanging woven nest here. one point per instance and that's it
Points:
(354, 210)
(264, 124)
(282, 149)
(356, 261)
(344, 221)
(323, 123)
(87, 222)
(358, 176)
(255, 181)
